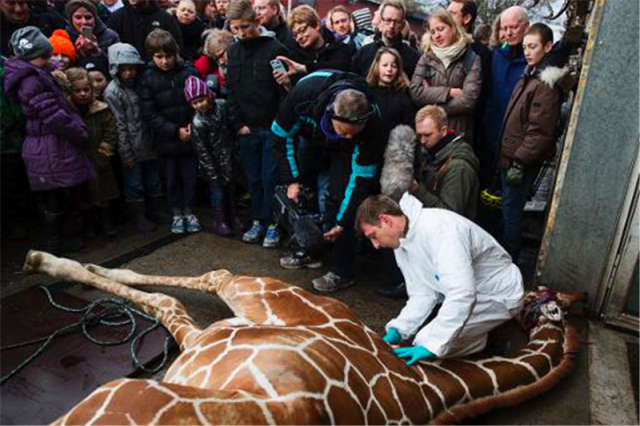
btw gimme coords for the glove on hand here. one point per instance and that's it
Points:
(515, 173)
(392, 337)
(415, 353)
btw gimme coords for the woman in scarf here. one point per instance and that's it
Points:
(448, 73)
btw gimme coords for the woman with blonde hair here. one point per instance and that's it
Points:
(448, 73)
(390, 87)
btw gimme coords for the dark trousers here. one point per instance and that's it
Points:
(14, 187)
(260, 171)
(514, 199)
(142, 179)
(181, 174)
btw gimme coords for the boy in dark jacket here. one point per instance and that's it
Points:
(191, 28)
(214, 142)
(529, 130)
(254, 97)
(166, 110)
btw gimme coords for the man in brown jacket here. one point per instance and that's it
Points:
(528, 131)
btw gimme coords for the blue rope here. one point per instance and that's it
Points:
(109, 318)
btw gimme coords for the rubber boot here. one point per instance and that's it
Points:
(106, 221)
(220, 225)
(136, 213)
(158, 211)
(55, 243)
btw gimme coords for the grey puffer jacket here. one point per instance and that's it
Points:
(215, 143)
(135, 137)
(431, 84)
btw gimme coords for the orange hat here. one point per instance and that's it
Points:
(62, 45)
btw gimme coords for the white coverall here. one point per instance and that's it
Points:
(447, 258)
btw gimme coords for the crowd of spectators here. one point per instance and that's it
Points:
(140, 100)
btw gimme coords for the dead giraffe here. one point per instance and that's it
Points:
(290, 357)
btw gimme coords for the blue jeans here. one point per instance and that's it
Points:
(181, 174)
(514, 199)
(260, 170)
(143, 179)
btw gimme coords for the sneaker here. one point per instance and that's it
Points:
(331, 282)
(254, 234)
(272, 238)
(177, 225)
(299, 260)
(192, 223)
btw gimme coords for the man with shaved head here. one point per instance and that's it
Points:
(507, 66)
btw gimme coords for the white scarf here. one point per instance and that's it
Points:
(450, 53)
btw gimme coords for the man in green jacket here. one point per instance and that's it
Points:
(448, 174)
(447, 178)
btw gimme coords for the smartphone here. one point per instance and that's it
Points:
(87, 32)
(277, 65)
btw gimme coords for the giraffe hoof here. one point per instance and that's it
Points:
(32, 262)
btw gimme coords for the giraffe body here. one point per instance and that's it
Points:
(291, 357)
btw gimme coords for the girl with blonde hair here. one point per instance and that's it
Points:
(448, 73)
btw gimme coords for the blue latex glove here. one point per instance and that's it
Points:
(415, 353)
(392, 337)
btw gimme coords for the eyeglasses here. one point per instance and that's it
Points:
(300, 31)
(393, 22)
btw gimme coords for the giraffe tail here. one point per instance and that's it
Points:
(549, 357)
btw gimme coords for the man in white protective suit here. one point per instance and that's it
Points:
(446, 258)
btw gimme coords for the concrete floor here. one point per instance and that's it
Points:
(572, 402)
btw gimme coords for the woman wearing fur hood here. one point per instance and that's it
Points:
(449, 74)
(529, 128)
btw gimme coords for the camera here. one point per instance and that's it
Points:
(301, 220)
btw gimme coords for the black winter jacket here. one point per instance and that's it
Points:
(396, 107)
(165, 108)
(354, 163)
(192, 39)
(215, 143)
(133, 25)
(282, 32)
(365, 56)
(254, 95)
(334, 55)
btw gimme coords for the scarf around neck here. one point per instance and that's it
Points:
(450, 53)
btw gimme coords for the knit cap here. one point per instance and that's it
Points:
(29, 43)
(74, 5)
(62, 44)
(195, 88)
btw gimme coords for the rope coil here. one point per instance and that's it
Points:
(109, 318)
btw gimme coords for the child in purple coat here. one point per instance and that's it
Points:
(56, 136)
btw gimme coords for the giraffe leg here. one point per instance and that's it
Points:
(257, 300)
(207, 282)
(168, 310)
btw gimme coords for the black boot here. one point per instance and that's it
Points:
(55, 243)
(393, 291)
(136, 213)
(106, 221)
(158, 211)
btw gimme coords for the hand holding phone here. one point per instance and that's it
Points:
(277, 65)
(87, 32)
